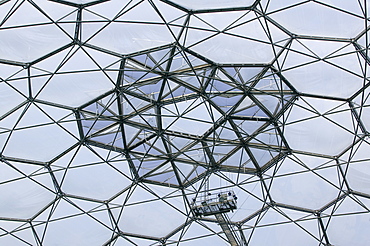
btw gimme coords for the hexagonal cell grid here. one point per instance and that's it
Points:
(122, 122)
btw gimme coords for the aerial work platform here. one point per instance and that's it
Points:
(218, 205)
(210, 205)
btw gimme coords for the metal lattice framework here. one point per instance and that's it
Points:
(115, 114)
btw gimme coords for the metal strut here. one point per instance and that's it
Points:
(218, 205)
(224, 221)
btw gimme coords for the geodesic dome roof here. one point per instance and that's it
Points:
(115, 114)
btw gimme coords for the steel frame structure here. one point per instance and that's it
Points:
(173, 118)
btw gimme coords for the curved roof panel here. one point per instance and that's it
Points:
(118, 117)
